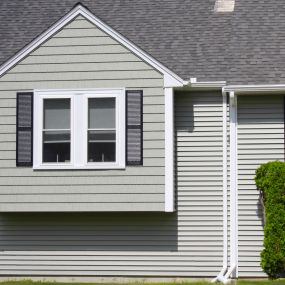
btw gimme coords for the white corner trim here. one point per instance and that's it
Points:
(170, 78)
(169, 149)
(233, 185)
(247, 89)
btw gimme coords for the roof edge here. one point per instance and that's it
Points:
(170, 78)
(255, 89)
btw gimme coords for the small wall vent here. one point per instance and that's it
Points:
(224, 6)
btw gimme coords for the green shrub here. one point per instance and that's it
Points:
(270, 179)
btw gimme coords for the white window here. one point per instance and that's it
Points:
(77, 129)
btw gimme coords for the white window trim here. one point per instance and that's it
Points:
(79, 125)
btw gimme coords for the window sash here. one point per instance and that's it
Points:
(39, 131)
(87, 129)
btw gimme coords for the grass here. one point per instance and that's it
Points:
(267, 282)
(240, 282)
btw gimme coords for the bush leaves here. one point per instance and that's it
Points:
(270, 179)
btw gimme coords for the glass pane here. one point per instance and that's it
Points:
(101, 146)
(101, 113)
(56, 136)
(102, 136)
(56, 146)
(56, 113)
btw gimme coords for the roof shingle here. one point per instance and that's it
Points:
(187, 36)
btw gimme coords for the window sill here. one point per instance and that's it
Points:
(105, 166)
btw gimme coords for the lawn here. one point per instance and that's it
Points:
(240, 282)
(275, 282)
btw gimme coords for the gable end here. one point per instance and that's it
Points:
(170, 78)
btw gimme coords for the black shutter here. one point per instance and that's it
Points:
(24, 139)
(134, 127)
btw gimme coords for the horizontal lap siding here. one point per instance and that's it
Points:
(187, 243)
(137, 244)
(260, 139)
(83, 56)
(199, 175)
(88, 244)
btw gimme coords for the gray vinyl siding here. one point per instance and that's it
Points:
(83, 56)
(199, 174)
(187, 243)
(260, 139)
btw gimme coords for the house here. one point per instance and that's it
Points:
(130, 135)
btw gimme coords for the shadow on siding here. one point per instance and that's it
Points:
(88, 231)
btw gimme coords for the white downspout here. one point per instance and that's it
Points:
(225, 180)
(221, 274)
(226, 273)
(233, 184)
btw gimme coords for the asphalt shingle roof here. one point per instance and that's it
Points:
(243, 47)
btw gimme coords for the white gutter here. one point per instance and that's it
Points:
(218, 84)
(247, 89)
(204, 84)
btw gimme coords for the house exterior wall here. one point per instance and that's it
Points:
(260, 139)
(199, 164)
(187, 243)
(82, 56)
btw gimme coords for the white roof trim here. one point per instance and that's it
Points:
(170, 79)
(246, 89)
(207, 84)
(204, 85)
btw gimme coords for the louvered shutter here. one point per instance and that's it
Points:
(134, 127)
(24, 133)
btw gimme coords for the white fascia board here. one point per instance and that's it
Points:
(248, 89)
(170, 78)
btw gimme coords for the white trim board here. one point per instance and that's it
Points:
(255, 89)
(170, 78)
(169, 150)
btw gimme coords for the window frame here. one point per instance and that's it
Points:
(79, 127)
